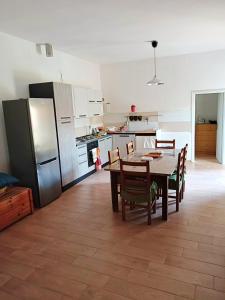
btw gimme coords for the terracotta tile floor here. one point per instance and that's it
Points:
(76, 248)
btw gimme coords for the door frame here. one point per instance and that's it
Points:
(193, 109)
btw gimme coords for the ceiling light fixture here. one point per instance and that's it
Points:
(155, 80)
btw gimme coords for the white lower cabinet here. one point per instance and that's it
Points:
(120, 141)
(82, 160)
(144, 142)
(105, 145)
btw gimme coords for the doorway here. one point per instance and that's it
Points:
(208, 139)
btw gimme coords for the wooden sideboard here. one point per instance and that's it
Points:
(15, 204)
(205, 139)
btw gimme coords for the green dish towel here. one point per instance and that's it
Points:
(129, 193)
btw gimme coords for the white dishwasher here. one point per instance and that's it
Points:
(144, 142)
(120, 141)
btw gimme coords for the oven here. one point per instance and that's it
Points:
(90, 146)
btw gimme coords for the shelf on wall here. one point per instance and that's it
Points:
(126, 115)
(143, 114)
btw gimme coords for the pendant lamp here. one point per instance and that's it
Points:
(154, 80)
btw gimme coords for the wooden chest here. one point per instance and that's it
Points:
(15, 204)
(205, 139)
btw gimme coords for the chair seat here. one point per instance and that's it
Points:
(129, 194)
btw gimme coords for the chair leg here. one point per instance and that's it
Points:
(154, 206)
(182, 192)
(177, 200)
(132, 205)
(123, 210)
(149, 213)
(158, 193)
(183, 189)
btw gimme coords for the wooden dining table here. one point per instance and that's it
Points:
(160, 168)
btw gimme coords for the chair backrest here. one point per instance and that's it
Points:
(165, 144)
(114, 155)
(180, 165)
(185, 157)
(130, 147)
(135, 177)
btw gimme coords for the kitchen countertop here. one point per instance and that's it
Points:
(138, 133)
(92, 140)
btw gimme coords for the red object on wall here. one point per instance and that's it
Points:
(133, 108)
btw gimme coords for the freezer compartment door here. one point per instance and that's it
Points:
(43, 129)
(49, 181)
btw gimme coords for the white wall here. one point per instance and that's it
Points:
(220, 139)
(21, 64)
(206, 106)
(124, 84)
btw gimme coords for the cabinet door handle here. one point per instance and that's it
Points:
(66, 122)
(82, 116)
(63, 118)
(82, 154)
(91, 101)
(96, 114)
(47, 161)
(83, 146)
(99, 101)
(83, 162)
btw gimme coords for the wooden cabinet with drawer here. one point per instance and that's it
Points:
(15, 204)
(205, 139)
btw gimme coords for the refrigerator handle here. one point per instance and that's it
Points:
(47, 161)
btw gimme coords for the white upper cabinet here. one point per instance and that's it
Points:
(63, 95)
(95, 104)
(87, 102)
(80, 102)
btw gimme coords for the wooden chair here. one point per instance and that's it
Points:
(114, 155)
(137, 190)
(176, 180)
(165, 144)
(130, 147)
(184, 169)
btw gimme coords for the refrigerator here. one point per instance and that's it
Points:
(62, 95)
(33, 149)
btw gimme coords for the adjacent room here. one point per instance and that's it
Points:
(206, 111)
(112, 150)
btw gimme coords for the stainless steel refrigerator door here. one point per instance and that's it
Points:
(43, 129)
(49, 181)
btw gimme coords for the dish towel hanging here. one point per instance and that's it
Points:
(94, 155)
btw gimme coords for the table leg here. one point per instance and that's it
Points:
(115, 205)
(164, 185)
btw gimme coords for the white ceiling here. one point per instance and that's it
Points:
(107, 31)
